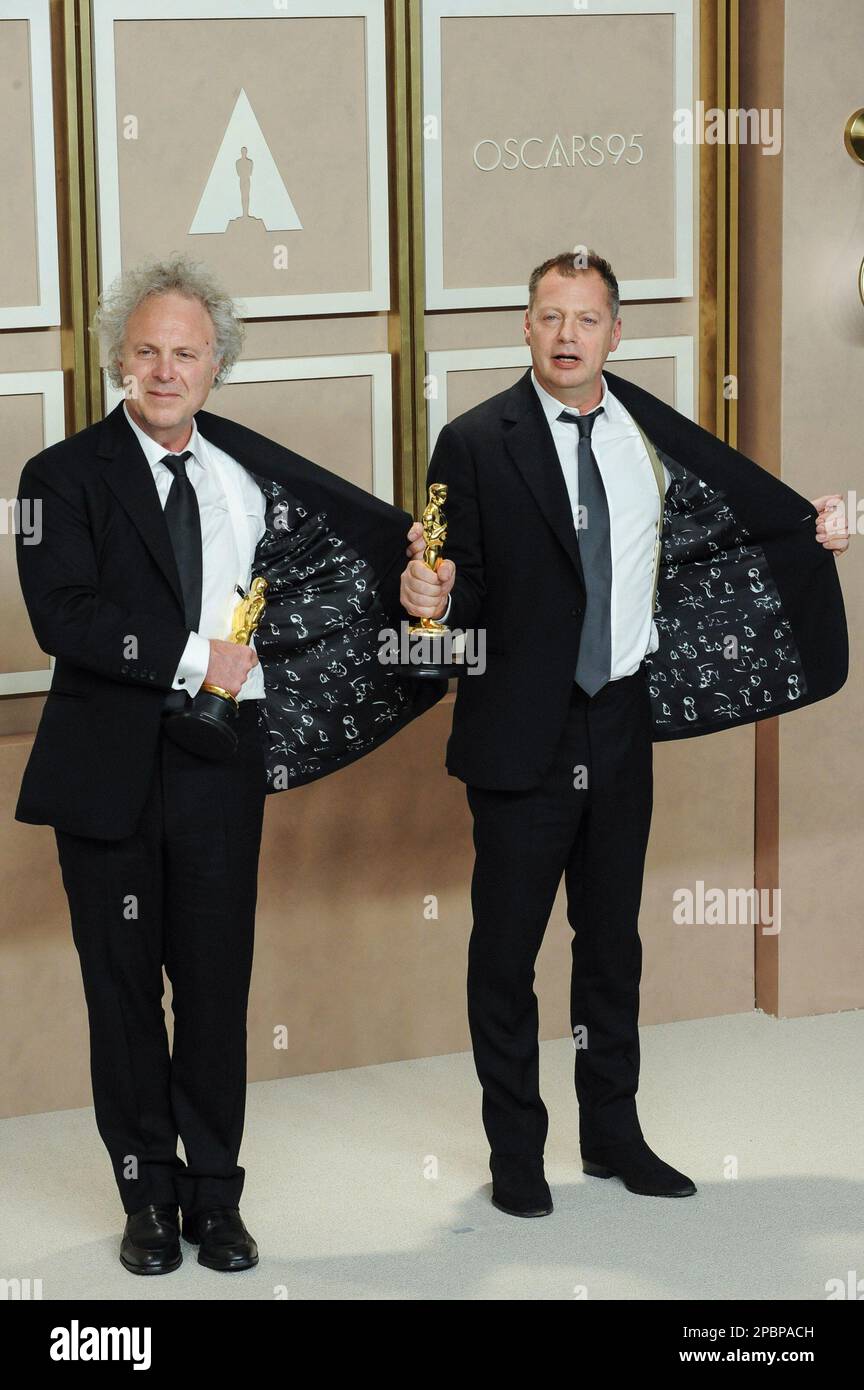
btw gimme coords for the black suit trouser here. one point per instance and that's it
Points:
(592, 827)
(181, 892)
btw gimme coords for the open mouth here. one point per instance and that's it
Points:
(566, 359)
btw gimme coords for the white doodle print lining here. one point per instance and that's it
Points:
(715, 583)
(318, 636)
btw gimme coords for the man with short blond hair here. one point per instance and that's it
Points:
(557, 492)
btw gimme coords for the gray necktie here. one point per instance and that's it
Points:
(594, 663)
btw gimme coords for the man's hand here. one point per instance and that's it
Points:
(423, 592)
(230, 664)
(416, 542)
(832, 530)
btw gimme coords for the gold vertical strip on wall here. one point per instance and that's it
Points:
(418, 252)
(722, 225)
(761, 223)
(727, 225)
(90, 223)
(766, 780)
(732, 231)
(708, 222)
(399, 336)
(66, 97)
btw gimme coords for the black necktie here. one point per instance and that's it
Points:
(184, 527)
(594, 663)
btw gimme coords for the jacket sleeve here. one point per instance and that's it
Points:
(451, 463)
(59, 576)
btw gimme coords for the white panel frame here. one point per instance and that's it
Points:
(107, 12)
(681, 348)
(677, 286)
(46, 312)
(377, 365)
(48, 385)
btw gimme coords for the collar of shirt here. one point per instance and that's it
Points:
(154, 452)
(613, 411)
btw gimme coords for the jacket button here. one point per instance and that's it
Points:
(574, 612)
(123, 670)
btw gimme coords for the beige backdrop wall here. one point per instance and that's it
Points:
(349, 960)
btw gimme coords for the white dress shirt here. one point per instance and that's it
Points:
(634, 513)
(634, 510)
(222, 566)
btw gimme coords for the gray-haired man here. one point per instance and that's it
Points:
(149, 521)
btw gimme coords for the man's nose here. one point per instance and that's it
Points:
(164, 368)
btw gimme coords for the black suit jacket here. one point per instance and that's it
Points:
(739, 560)
(104, 598)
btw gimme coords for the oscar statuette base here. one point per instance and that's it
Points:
(428, 653)
(206, 728)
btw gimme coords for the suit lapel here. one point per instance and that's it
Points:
(130, 478)
(529, 442)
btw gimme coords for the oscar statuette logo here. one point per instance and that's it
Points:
(430, 643)
(207, 726)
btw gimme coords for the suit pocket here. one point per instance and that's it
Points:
(68, 694)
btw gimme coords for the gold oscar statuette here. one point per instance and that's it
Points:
(206, 726)
(434, 534)
(427, 639)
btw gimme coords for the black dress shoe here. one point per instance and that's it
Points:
(519, 1187)
(225, 1243)
(151, 1241)
(536, 1203)
(638, 1167)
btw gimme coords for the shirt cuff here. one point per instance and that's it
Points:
(443, 617)
(192, 669)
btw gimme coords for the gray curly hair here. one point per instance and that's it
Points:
(178, 274)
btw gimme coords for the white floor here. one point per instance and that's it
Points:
(374, 1184)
